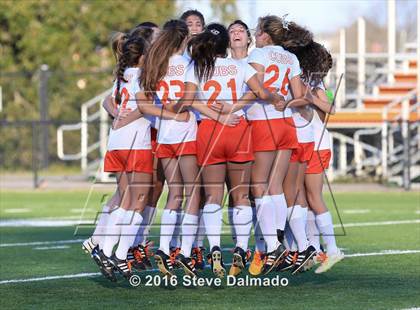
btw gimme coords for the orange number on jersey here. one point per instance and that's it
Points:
(165, 86)
(125, 94)
(217, 89)
(273, 79)
(232, 85)
(285, 83)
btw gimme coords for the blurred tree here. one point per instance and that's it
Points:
(225, 10)
(72, 37)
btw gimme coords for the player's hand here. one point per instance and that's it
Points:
(123, 113)
(222, 107)
(230, 120)
(280, 104)
(170, 105)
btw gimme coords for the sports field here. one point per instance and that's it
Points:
(44, 267)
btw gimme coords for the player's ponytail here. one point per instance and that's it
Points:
(287, 34)
(117, 41)
(206, 47)
(132, 50)
(315, 61)
(169, 41)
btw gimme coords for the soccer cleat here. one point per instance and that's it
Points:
(216, 260)
(273, 258)
(88, 245)
(257, 263)
(104, 265)
(121, 265)
(173, 255)
(316, 260)
(164, 263)
(198, 255)
(134, 257)
(288, 262)
(146, 253)
(187, 263)
(303, 258)
(330, 261)
(240, 258)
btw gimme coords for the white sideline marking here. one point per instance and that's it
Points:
(362, 224)
(51, 247)
(42, 243)
(337, 225)
(17, 210)
(417, 211)
(356, 211)
(93, 274)
(82, 210)
(42, 223)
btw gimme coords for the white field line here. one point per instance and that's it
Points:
(56, 247)
(17, 210)
(81, 240)
(43, 223)
(356, 211)
(94, 274)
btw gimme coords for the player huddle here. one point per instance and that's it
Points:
(186, 113)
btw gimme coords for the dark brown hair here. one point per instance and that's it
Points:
(189, 13)
(289, 35)
(315, 62)
(206, 47)
(132, 50)
(117, 42)
(240, 22)
(167, 43)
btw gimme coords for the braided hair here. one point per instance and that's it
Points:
(132, 50)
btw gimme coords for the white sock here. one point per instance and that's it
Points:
(242, 219)
(113, 230)
(176, 236)
(312, 232)
(168, 222)
(231, 224)
(99, 233)
(258, 236)
(189, 230)
(289, 239)
(201, 232)
(212, 215)
(267, 221)
(326, 229)
(297, 222)
(281, 210)
(131, 223)
(148, 215)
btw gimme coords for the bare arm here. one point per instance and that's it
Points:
(225, 119)
(321, 101)
(109, 106)
(187, 98)
(146, 106)
(125, 119)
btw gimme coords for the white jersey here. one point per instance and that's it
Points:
(321, 134)
(226, 83)
(172, 87)
(136, 135)
(304, 128)
(280, 67)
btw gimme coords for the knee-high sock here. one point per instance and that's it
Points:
(281, 210)
(189, 230)
(267, 221)
(258, 235)
(297, 222)
(176, 237)
(231, 224)
(289, 239)
(242, 219)
(201, 232)
(113, 230)
(312, 231)
(212, 215)
(99, 233)
(148, 215)
(131, 223)
(167, 228)
(326, 229)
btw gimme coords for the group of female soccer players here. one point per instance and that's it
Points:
(187, 113)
